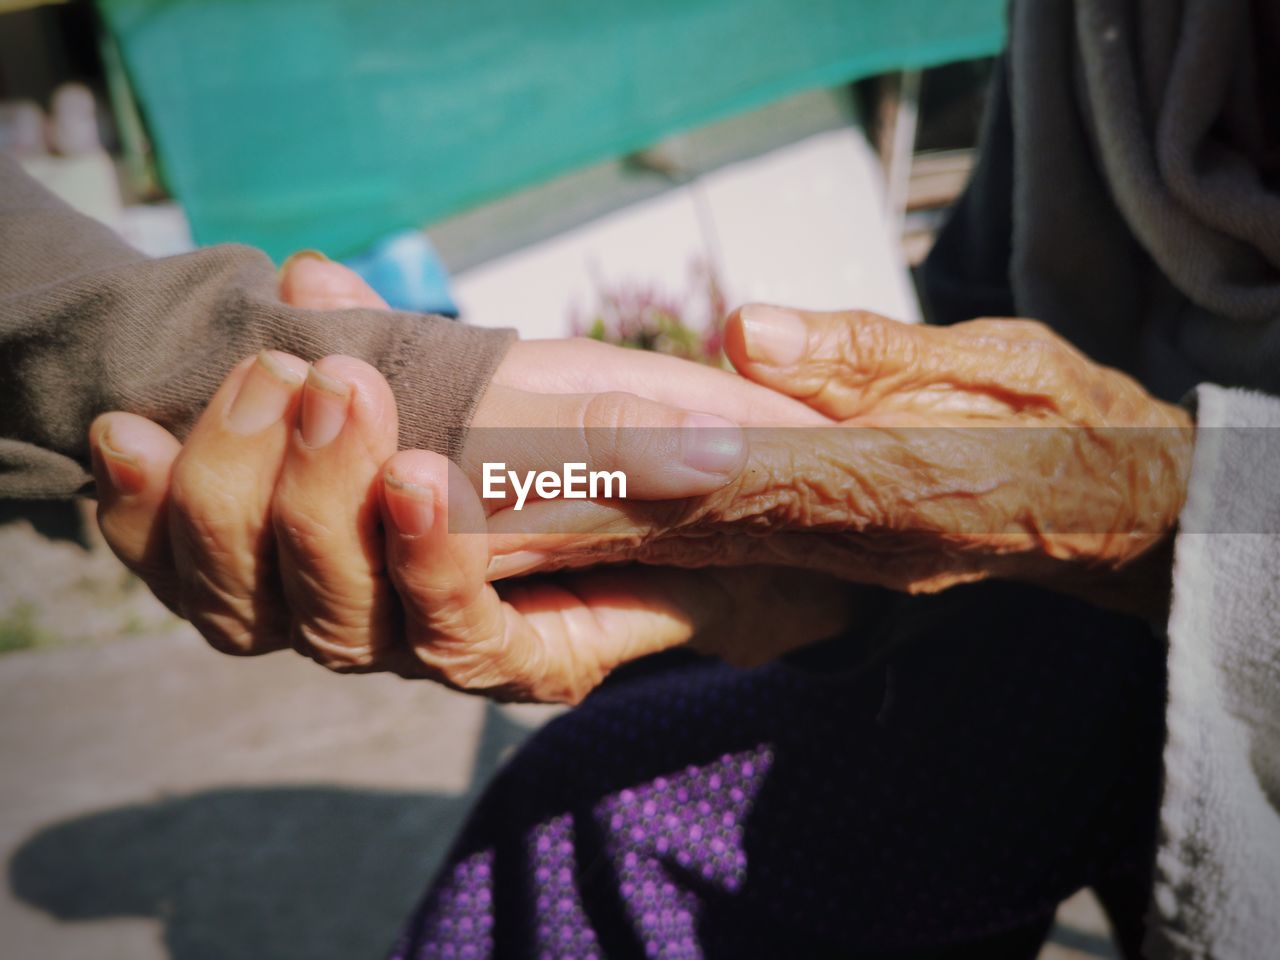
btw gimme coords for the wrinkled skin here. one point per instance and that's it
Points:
(273, 542)
(268, 530)
(991, 448)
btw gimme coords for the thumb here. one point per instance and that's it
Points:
(132, 461)
(841, 364)
(665, 453)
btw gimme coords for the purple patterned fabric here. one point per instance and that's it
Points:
(945, 800)
(460, 927)
(693, 818)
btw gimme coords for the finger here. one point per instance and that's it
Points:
(220, 503)
(132, 460)
(661, 451)
(544, 641)
(838, 363)
(589, 366)
(327, 517)
(853, 363)
(310, 279)
(454, 622)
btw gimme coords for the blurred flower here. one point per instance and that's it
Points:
(689, 325)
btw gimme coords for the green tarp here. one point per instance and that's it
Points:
(329, 123)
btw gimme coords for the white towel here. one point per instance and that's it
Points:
(1217, 892)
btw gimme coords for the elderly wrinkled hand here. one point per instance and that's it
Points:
(285, 520)
(991, 448)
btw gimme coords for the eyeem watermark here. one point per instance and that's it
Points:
(574, 483)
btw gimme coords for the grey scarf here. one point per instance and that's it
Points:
(1127, 189)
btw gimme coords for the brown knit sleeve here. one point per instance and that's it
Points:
(87, 325)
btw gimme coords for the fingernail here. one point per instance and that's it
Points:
(773, 336)
(412, 506)
(303, 255)
(325, 402)
(711, 444)
(264, 395)
(514, 564)
(123, 469)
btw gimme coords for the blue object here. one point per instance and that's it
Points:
(407, 272)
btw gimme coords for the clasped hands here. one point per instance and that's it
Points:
(873, 452)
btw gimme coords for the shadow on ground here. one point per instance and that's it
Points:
(289, 873)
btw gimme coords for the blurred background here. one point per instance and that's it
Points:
(624, 169)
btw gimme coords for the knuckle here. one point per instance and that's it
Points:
(334, 650)
(228, 612)
(468, 662)
(607, 421)
(455, 668)
(226, 632)
(432, 596)
(498, 669)
(612, 410)
(869, 342)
